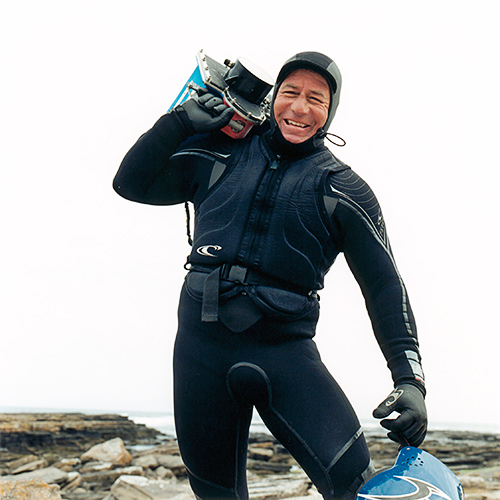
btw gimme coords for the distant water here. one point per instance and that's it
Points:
(164, 422)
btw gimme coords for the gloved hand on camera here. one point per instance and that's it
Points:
(410, 427)
(204, 113)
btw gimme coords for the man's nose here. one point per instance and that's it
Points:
(300, 106)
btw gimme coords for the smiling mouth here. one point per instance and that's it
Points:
(296, 124)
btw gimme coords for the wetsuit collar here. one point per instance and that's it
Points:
(281, 147)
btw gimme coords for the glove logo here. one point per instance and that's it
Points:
(423, 491)
(394, 396)
(205, 250)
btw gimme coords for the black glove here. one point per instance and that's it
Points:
(204, 113)
(410, 427)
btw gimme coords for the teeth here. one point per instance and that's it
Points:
(296, 124)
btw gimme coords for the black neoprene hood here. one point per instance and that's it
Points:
(321, 64)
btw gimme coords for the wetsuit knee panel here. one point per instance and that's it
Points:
(249, 384)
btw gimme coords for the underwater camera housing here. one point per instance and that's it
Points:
(244, 87)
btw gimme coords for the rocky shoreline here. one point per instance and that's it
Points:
(73, 456)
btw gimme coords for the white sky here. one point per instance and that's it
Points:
(89, 281)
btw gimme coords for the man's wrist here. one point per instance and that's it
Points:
(174, 127)
(416, 383)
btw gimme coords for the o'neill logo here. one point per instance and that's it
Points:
(394, 396)
(423, 491)
(205, 250)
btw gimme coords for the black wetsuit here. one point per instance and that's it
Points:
(257, 350)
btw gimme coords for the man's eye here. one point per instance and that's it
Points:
(315, 100)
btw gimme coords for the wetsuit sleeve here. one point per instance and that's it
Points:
(362, 237)
(146, 174)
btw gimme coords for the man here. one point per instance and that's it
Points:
(273, 211)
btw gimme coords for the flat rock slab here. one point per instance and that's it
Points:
(33, 489)
(141, 488)
(278, 487)
(49, 475)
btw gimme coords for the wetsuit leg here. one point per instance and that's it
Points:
(317, 424)
(212, 430)
(308, 413)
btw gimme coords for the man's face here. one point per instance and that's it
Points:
(301, 105)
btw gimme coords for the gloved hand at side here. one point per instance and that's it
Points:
(410, 427)
(204, 113)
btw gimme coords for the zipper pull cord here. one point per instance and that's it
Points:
(323, 135)
(341, 145)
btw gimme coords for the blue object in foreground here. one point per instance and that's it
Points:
(416, 475)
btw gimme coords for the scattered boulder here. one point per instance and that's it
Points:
(113, 451)
(19, 462)
(146, 461)
(90, 467)
(67, 464)
(49, 475)
(470, 481)
(105, 478)
(33, 489)
(172, 462)
(164, 473)
(276, 487)
(260, 453)
(31, 466)
(141, 488)
(74, 481)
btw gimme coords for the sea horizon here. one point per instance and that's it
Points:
(163, 421)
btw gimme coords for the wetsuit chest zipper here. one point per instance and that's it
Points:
(269, 188)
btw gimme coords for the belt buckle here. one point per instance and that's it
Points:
(235, 273)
